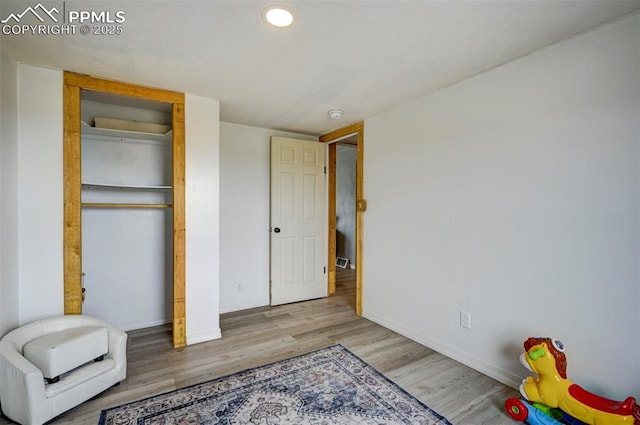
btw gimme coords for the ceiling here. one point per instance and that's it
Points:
(361, 56)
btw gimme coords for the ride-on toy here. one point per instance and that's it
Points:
(545, 357)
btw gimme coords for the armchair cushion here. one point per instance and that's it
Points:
(59, 352)
(26, 398)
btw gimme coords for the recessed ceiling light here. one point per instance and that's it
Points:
(336, 114)
(278, 16)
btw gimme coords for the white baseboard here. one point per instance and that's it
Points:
(243, 306)
(131, 326)
(352, 265)
(203, 336)
(467, 359)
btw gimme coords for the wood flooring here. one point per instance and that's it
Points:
(263, 335)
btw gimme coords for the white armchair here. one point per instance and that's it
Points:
(64, 346)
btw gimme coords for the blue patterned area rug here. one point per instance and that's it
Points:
(325, 387)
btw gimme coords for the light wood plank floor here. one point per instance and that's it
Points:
(263, 335)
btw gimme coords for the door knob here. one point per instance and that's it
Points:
(277, 230)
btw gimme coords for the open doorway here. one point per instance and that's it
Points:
(352, 135)
(346, 161)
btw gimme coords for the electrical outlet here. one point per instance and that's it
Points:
(239, 287)
(465, 319)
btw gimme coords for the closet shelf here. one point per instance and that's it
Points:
(125, 134)
(102, 186)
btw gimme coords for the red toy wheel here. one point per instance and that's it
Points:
(516, 409)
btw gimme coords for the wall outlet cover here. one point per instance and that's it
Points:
(465, 319)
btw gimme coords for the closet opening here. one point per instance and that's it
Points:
(127, 210)
(124, 230)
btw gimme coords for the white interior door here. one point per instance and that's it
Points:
(298, 235)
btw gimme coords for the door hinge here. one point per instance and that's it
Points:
(324, 270)
(325, 169)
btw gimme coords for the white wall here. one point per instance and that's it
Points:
(8, 193)
(202, 122)
(40, 203)
(514, 195)
(244, 215)
(40, 186)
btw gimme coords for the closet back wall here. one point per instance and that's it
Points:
(126, 253)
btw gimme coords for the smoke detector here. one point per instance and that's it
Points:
(336, 114)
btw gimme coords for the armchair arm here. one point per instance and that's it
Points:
(21, 385)
(118, 349)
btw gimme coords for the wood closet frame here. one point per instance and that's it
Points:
(73, 86)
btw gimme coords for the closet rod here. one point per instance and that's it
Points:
(107, 205)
